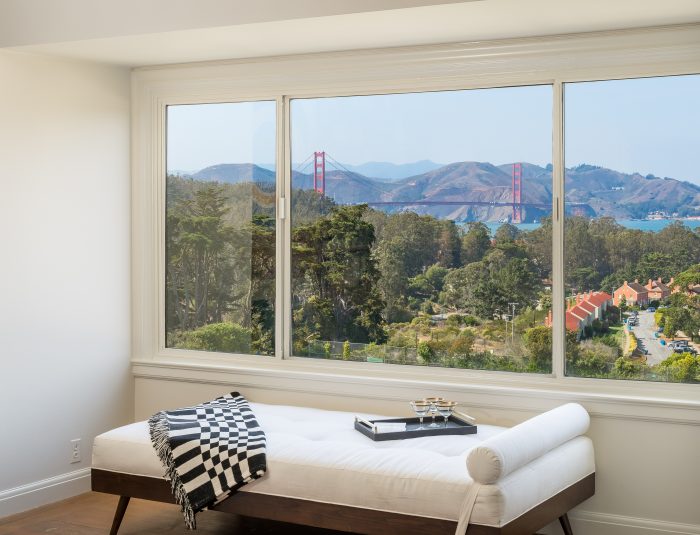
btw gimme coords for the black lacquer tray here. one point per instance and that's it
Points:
(454, 426)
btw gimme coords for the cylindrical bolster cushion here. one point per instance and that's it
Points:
(504, 453)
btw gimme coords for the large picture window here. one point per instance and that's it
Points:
(632, 231)
(220, 228)
(421, 228)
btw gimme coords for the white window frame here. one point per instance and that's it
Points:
(534, 61)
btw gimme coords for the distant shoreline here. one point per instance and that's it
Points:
(647, 225)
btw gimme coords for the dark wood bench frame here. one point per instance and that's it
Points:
(342, 517)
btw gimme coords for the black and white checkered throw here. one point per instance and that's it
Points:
(209, 451)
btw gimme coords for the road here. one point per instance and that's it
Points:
(645, 335)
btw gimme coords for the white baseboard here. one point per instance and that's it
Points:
(592, 523)
(42, 492)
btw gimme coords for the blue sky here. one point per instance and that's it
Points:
(647, 125)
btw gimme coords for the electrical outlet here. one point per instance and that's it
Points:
(75, 450)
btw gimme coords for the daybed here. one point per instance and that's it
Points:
(323, 473)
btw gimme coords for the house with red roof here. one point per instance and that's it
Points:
(583, 310)
(657, 290)
(633, 292)
(600, 300)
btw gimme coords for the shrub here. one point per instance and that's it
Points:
(629, 369)
(454, 320)
(346, 350)
(680, 367)
(223, 337)
(425, 352)
(471, 321)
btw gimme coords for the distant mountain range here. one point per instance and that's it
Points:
(596, 191)
(385, 171)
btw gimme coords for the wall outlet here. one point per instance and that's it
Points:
(75, 450)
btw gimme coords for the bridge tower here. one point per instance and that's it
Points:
(320, 172)
(517, 187)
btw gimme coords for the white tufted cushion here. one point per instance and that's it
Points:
(317, 455)
(504, 453)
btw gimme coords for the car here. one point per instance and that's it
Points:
(690, 350)
(651, 309)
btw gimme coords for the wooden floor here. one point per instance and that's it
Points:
(91, 514)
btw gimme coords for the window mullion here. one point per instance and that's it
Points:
(284, 313)
(558, 293)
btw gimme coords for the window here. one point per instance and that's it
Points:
(632, 232)
(220, 227)
(421, 228)
(418, 225)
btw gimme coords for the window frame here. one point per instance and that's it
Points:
(554, 61)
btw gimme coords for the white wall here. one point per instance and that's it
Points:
(64, 271)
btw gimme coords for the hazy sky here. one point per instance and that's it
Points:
(648, 126)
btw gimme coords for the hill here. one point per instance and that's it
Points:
(235, 173)
(597, 191)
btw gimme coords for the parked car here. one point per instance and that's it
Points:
(651, 309)
(684, 348)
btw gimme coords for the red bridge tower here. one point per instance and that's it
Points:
(517, 193)
(320, 172)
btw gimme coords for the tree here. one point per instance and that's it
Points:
(538, 244)
(428, 285)
(681, 243)
(199, 266)
(409, 245)
(475, 242)
(335, 278)
(690, 276)
(506, 233)
(483, 288)
(538, 344)
(678, 319)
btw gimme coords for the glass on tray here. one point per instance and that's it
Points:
(445, 409)
(421, 407)
(433, 409)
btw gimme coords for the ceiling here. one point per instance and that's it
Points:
(139, 33)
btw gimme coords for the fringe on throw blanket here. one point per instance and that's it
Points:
(209, 451)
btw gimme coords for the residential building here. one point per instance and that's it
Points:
(657, 290)
(583, 309)
(633, 292)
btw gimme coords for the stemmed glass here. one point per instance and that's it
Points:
(421, 408)
(445, 409)
(433, 410)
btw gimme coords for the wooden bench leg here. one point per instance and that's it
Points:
(119, 514)
(565, 525)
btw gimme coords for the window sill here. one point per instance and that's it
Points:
(657, 402)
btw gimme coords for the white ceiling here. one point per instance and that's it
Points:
(32, 22)
(322, 25)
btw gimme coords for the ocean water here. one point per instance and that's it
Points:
(654, 225)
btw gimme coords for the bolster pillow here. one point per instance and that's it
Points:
(504, 453)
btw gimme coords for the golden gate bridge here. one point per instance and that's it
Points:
(320, 158)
